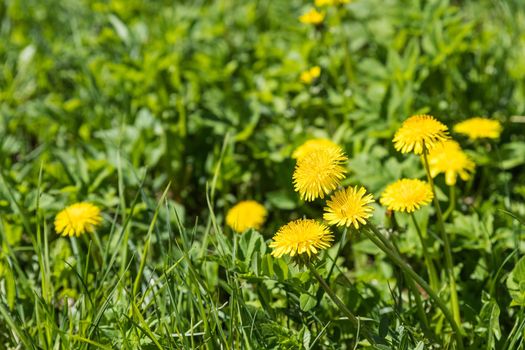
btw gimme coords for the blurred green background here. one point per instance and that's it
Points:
(152, 88)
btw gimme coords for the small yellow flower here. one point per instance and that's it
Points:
(319, 172)
(309, 75)
(350, 206)
(406, 195)
(478, 128)
(310, 146)
(418, 130)
(299, 237)
(321, 3)
(449, 158)
(312, 17)
(245, 215)
(78, 219)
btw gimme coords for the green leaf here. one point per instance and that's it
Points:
(307, 336)
(251, 242)
(489, 320)
(307, 301)
(281, 269)
(120, 28)
(516, 283)
(10, 286)
(384, 324)
(282, 200)
(513, 155)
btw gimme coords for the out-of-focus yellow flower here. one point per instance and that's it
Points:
(478, 128)
(310, 146)
(312, 17)
(406, 195)
(418, 130)
(300, 237)
(245, 215)
(319, 172)
(350, 206)
(449, 158)
(309, 75)
(321, 3)
(77, 219)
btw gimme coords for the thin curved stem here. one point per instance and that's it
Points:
(342, 307)
(431, 269)
(451, 202)
(448, 252)
(339, 249)
(419, 304)
(347, 63)
(378, 238)
(385, 245)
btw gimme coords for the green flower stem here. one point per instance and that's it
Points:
(342, 307)
(431, 269)
(385, 245)
(378, 238)
(448, 252)
(347, 63)
(451, 202)
(339, 249)
(419, 304)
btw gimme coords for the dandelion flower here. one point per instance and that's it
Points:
(449, 158)
(418, 130)
(299, 237)
(350, 206)
(77, 219)
(312, 17)
(309, 75)
(245, 215)
(310, 146)
(478, 128)
(319, 172)
(406, 195)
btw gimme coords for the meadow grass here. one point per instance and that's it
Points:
(165, 115)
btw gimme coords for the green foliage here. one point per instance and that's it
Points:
(164, 114)
(516, 283)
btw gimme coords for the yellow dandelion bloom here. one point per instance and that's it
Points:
(312, 17)
(319, 172)
(310, 146)
(245, 215)
(418, 130)
(406, 195)
(77, 219)
(350, 206)
(449, 158)
(301, 236)
(309, 75)
(478, 128)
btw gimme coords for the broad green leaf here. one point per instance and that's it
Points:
(307, 302)
(489, 320)
(516, 283)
